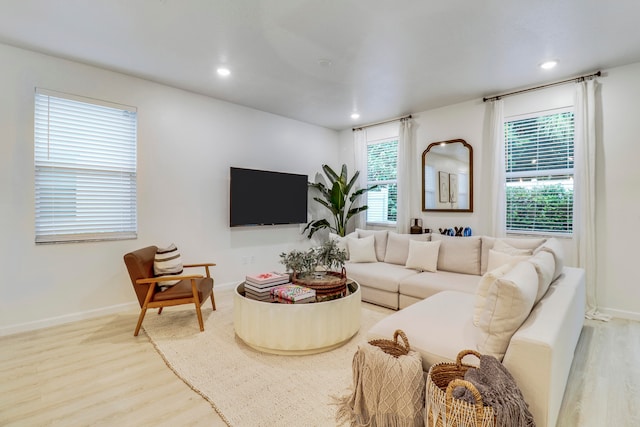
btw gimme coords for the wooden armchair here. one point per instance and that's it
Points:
(191, 288)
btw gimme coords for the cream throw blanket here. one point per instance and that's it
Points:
(387, 391)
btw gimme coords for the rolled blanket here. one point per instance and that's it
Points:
(387, 391)
(498, 390)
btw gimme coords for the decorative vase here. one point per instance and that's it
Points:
(416, 228)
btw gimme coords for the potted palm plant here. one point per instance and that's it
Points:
(339, 198)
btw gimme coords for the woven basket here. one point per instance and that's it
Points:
(394, 348)
(448, 411)
(331, 284)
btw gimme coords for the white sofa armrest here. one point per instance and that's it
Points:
(541, 351)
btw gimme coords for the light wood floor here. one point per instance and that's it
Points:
(95, 373)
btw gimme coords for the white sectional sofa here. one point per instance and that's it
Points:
(509, 297)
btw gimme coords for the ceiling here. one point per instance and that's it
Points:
(320, 60)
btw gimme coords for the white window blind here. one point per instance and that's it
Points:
(539, 173)
(382, 170)
(85, 169)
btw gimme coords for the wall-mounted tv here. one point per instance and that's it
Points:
(259, 197)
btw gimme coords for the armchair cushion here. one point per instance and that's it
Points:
(183, 290)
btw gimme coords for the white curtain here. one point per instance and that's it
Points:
(496, 197)
(360, 164)
(584, 202)
(405, 173)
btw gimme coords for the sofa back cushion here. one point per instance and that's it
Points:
(459, 254)
(514, 242)
(398, 246)
(507, 306)
(341, 242)
(380, 239)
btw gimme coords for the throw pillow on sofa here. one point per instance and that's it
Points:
(167, 262)
(544, 264)
(423, 256)
(504, 247)
(341, 242)
(482, 290)
(554, 246)
(361, 250)
(498, 259)
(517, 242)
(508, 304)
(397, 250)
(380, 238)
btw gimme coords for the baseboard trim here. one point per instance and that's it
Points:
(82, 315)
(620, 314)
(67, 318)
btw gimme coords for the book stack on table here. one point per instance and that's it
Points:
(293, 294)
(258, 286)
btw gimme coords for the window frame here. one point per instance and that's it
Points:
(538, 173)
(382, 182)
(91, 151)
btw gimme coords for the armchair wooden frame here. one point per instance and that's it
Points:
(197, 296)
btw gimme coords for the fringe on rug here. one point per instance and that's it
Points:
(387, 391)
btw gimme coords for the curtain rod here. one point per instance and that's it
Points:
(381, 123)
(574, 79)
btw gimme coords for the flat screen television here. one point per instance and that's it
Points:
(259, 197)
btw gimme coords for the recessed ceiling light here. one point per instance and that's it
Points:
(355, 116)
(547, 65)
(224, 72)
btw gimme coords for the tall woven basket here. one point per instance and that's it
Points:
(443, 410)
(394, 348)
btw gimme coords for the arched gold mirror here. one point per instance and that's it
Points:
(447, 177)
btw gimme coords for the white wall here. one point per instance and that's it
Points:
(618, 176)
(186, 144)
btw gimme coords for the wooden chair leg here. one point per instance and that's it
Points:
(199, 313)
(213, 301)
(160, 310)
(143, 311)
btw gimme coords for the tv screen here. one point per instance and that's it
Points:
(260, 197)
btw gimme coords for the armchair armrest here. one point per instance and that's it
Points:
(167, 278)
(206, 266)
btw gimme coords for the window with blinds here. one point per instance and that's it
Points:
(85, 169)
(539, 173)
(382, 170)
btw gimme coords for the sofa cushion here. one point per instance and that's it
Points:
(423, 256)
(437, 327)
(378, 275)
(398, 246)
(554, 246)
(425, 284)
(544, 264)
(516, 242)
(361, 250)
(508, 304)
(459, 254)
(380, 238)
(498, 259)
(488, 279)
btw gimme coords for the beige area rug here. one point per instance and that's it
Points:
(247, 387)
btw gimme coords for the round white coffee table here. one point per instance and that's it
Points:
(296, 328)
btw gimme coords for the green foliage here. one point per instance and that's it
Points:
(540, 208)
(338, 199)
(328, 256)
